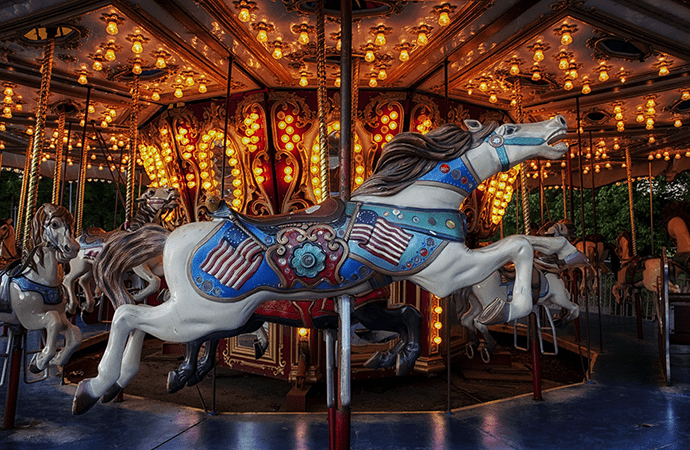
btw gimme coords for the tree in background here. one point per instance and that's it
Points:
(99, 200)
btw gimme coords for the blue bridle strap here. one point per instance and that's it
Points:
(499, 142)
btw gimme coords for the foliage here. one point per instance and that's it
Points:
(99, 200)
(612, 210)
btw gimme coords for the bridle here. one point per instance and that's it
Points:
(498, 142)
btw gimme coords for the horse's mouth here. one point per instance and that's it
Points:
(556, 142)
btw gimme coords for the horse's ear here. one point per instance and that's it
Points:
(473, 125)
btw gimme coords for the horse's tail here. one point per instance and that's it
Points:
(124, 251)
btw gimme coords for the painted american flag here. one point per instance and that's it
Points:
(233, 265)
(380, 238)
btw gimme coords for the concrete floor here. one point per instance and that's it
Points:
(626, 405)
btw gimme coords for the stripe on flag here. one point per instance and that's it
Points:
(380, 238)
(233, 266)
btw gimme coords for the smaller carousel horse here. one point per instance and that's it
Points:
(8, 248)
(637, 273)
(31, 292)
(152, 204)
(597, 251)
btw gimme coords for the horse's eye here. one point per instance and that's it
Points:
(510, 130)
(54, 224)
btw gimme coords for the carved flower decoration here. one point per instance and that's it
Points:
(308, 260)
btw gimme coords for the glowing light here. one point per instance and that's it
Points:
(422, 38)
(110, 54)
(137, 47)
(111, 28)
(155, 96)
(538, 55)
(443, 19)
(566, 38)
(136, 68)
(97, 65)
(262, 36)
(568, 85)
(380, 39)
(160, 62)
(244, 15)
(303, 37)
(438, 325)
(302, 332)
(663, 69)
(277, 50)
(82, 78)
(373, 82)
(369, 56)
(202, 87)
(337, 82)
(678, 123)
(303, 80)
(586, 89)
(685, 95)
(404, 55)
(178, 91)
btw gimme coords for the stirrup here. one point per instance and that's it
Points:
(497, 312)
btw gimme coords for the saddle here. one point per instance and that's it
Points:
(11, 271)
(328, 211)
(540, 285)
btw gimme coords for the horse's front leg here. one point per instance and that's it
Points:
(561, 247)
(52, 323)
(85, 283)
(457, 267)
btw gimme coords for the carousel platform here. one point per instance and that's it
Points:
(626, 404)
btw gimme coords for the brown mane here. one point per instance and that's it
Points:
(410, 155)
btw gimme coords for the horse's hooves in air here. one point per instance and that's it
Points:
(374, 361)
(33, 366)
(174, 382)
(112, 392)
(83, 400)
(406, 359)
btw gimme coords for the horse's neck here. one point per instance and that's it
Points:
(8, 248)
(145, 214)
(485, 163)
(418, 196)
(49, 273)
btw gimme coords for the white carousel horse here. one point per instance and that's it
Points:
(152, 203)
(403, 223)
(551, 292)
(31, 294)
(8, 248)
(636, 273)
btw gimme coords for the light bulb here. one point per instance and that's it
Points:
(536, 76)
(514, 69)
(339, 45)
(380, 39)
(244, 15)
(137, 47)
(422, 39)
(178, 92)
(277, 51)
(382, 74)
(663, 70)
(373, 82)
(404, 55)
(110, 54)
(136, 68)
(566, 38)
(303, 81)
(337, 82)
(303, 37)
(160, 62)
(603, 75)
(97, 65)
(262, 36)
(189, 81)
(586, 89)
(493, 98)
(678, 123)
(202, 88)
(563, 63)
(685, 95)
(155, 96)
(443, 19)
(111, 28)
(568, 85)
(369, 56)
(538, 55)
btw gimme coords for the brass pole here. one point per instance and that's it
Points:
(346, 76)
(651, 208)
(82, 168)
(321, 97)
(628, 172)
(523, 169)
(22, 197)
(57, 173)
(133, 122)
(39, 133)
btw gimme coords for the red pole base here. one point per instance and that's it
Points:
(342, 429)
(331, 428)
(638, 313)
(13, 384)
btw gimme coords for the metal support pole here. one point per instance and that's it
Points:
(57, 173)
(231, 60)
(582, 224)
(13, 381)
(19, 229)
(342, 423)
(321, 95)
(651, 208)
(536, 357)
(345, 97)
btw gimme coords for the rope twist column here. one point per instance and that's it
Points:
(321, 95)
(57, 174)
(133, 122)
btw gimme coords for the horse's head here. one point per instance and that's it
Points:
(7, 237)
(624, 245)
(52, 226)
(515, 143)
(159, 199)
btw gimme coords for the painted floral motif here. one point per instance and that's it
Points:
(308, 260)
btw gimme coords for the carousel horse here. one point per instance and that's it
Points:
(636, 273)
(548, 290)
(31, 293)
(152, 204)
(597, 251)
(8, 249)
(402, 223)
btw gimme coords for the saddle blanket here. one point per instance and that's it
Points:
(367, 243)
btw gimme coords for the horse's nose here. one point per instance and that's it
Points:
(560, 119)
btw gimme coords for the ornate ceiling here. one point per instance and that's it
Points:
(624, 68)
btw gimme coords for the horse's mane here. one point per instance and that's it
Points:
(410, 155)
(43, 215)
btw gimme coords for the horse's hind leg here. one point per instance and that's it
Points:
(72, 335)
(178, 378)
(85, 283)
(153, 283)
(69, 283)
(130, 364)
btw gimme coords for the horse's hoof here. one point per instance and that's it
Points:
(195, 379)
(485, 354)
(33, 366)
(83, 400)
(497, 312)
(406, 359)
(112, 392)
(374, 361)
(174, 382)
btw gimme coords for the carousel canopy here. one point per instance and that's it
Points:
(621, 66)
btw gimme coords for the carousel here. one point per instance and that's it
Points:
(323, 191)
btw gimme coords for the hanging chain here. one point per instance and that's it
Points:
(39, 135)
(133, 122)
(57, 174)
(628, 172)
(321, 94)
